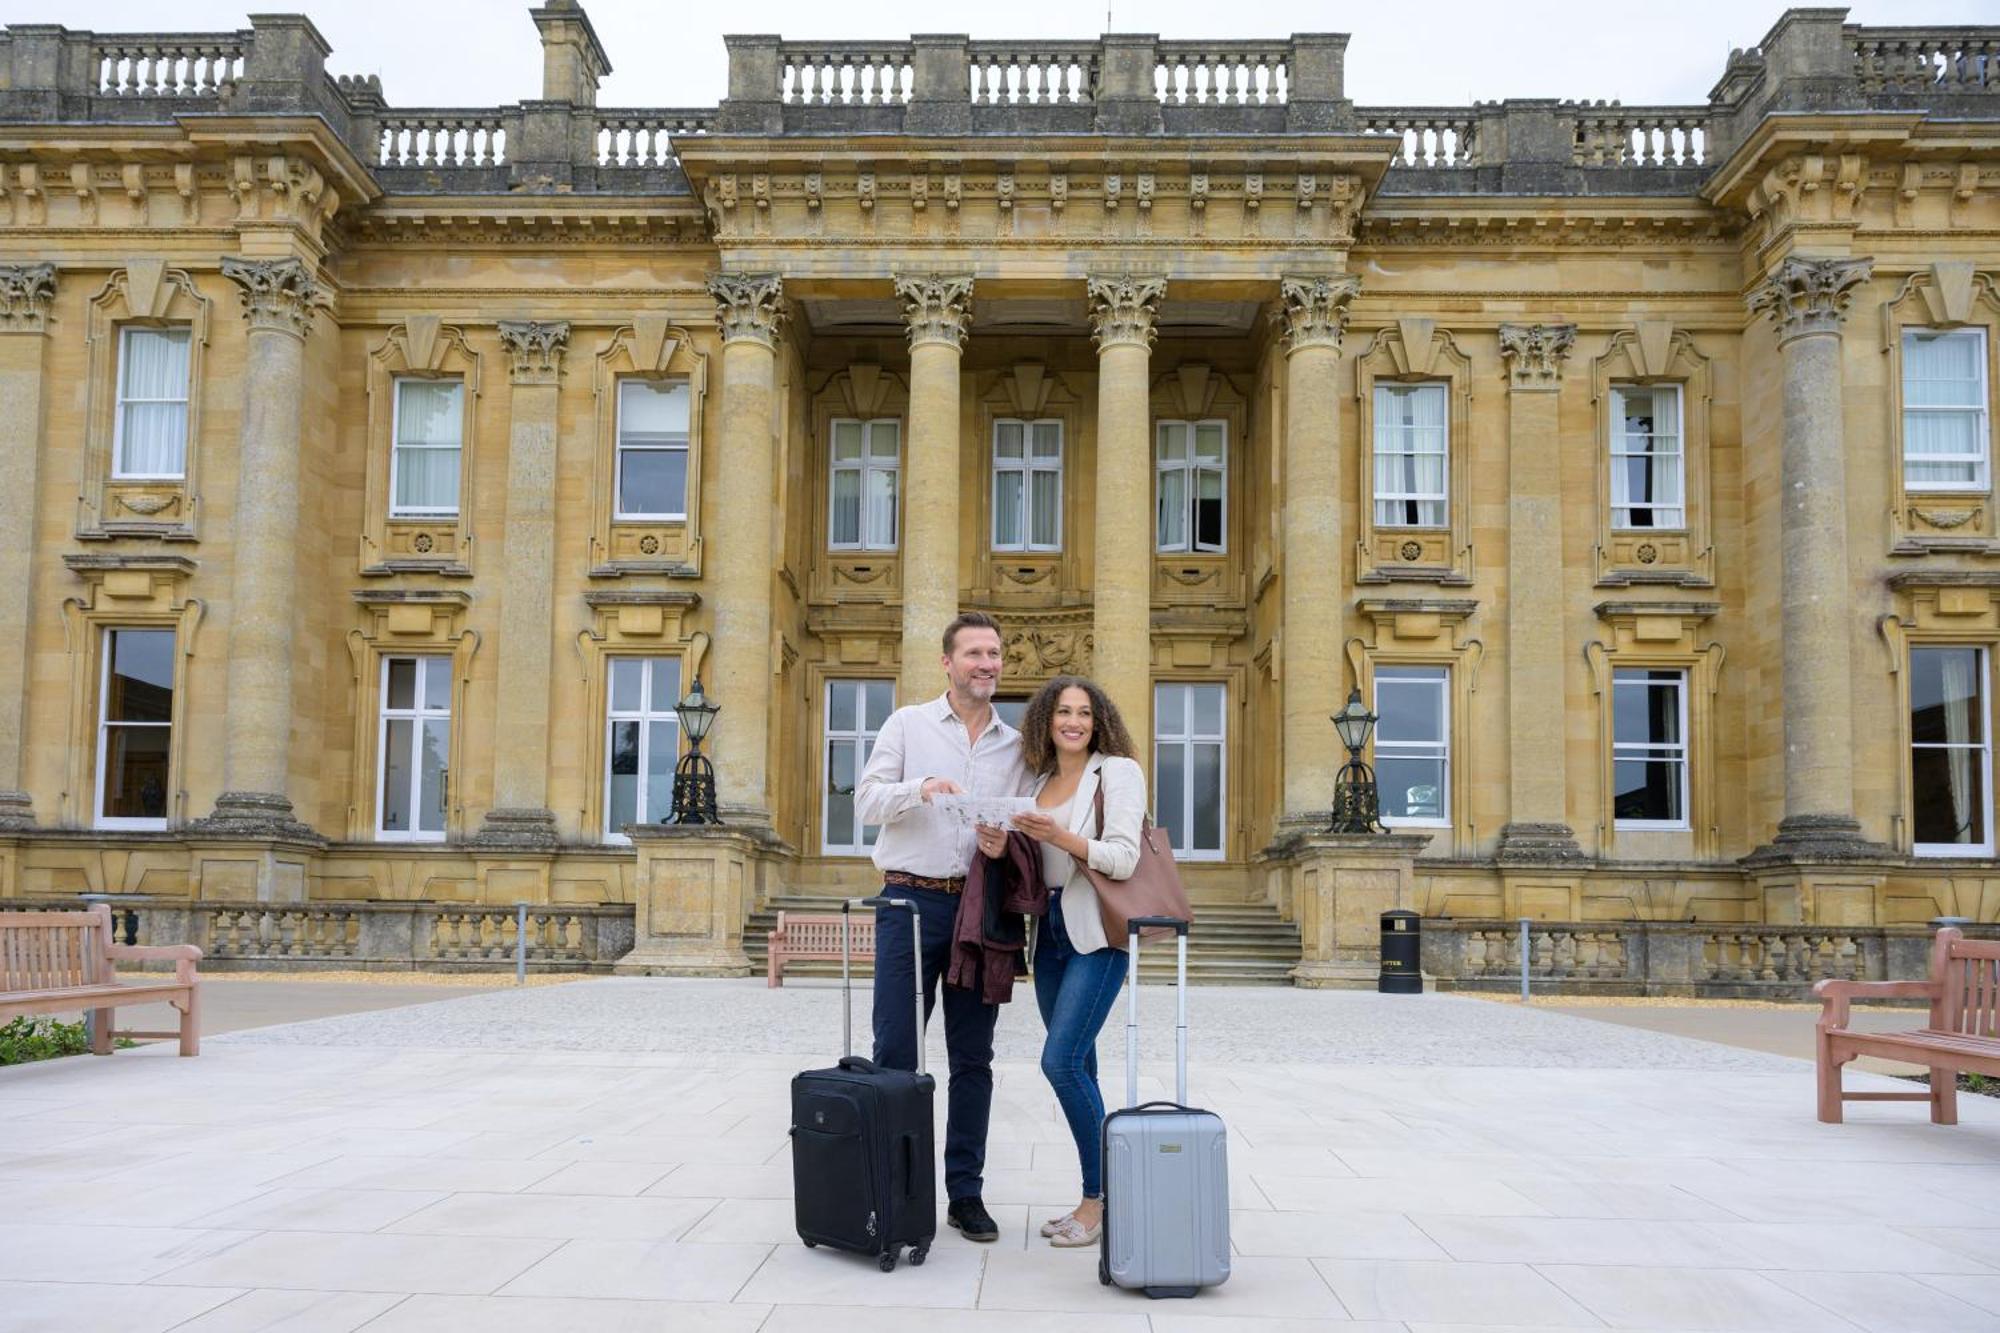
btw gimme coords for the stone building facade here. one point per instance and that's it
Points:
(374, 479)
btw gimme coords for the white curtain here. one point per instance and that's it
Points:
(1957, 669)
(429, 419)
(1942, 410)
(152, 438)
(882, 506)
(1410, 454)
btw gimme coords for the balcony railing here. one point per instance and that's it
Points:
(162, 65)
(441, 138)
(1610, 135)
(1033, 73)
(1926, 60)
(645, 138)
(1223, 73)
(1431, 136)
(846, 73)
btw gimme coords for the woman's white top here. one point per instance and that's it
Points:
(1057, 863)
(1114, 849)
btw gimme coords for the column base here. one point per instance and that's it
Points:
(17, 812)
(254, 815)
(1818, 838)
(1538, 844)
(524, 827)
(658, 958)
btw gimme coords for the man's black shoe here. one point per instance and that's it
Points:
(972, 1220)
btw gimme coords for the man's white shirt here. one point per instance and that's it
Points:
(925, 741)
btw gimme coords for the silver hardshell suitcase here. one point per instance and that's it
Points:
(1166, 1167)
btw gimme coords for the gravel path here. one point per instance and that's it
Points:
(1227, 1026)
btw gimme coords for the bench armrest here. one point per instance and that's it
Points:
(1835, 996)
(184, 957)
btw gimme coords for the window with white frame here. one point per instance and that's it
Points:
(1951, 752)
(1190, 460)
(151, 427)
(1027, 485)
(413, 786)
(1945, 431)
(1648, 457)
(855, 712)
(135, 729)
(1411, 444)
(642, 742)
(1188, 758)
(863, 489)
(652, 448)
(429, 434)
(1649, 751)
(1413, 744)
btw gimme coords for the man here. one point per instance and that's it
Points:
(953, 745)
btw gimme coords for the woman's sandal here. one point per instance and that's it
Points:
(1071, 1234)
(1054, 1224)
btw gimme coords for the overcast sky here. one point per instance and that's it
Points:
(475, 53)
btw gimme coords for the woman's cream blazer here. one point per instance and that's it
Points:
(1114, 849)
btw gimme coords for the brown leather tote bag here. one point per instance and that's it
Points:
(1154, 889)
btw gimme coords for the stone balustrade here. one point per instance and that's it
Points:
(441, 138)
(1223, 73)
(1610, 135)
(645, 138)
(203, 65)
(1033, 73)
(1431, 136)
(1671, 958)
(1926, 60)
(846, 73)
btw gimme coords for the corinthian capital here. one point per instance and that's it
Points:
(1535, 353)
(938, 309)
(278, 294)
(25, 293)
(1122, 309)
(1807, 296)
(534, 349)
(1313, 311)
(749, 307)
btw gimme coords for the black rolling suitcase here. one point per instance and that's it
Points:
(863, 1172)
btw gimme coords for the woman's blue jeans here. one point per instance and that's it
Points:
(1075, 992)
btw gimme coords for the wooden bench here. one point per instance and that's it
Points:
(56, 962)
(1963, 1033)
(815, 936)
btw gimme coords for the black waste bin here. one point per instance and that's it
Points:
(1402, 948)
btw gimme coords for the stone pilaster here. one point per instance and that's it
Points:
(279, 298)
(938, 309)
(520, 816)
(26, 291)
(1340, 884)
(1807, 299)
(1122, 310)
(1311, 318)
(1537, 828)
(750, 311)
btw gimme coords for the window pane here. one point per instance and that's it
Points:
(437, 684)
(1010, 711)
(1207, 709)
(653, 412)
(840, 703)
(1170, 794)
(621, 801)
(1410, 710)
(429, 412)
(628, 678)
(1942, 371)
(396, 786)
(881, 702)
(1170, 703)
(1173, 442)
(426, 479)
(652, 481)
(1646, 789)
(884, 439)
(666, 673)
(1007, 509)
(1007, 440)
(1048, 440)
(1047, 516)
(1412, 786)
(152, 440)
(1948, 791)
(1208, 509)
(135, 772)
(847, 442)
(840, 777)
(1172, 523)
(1207, 781)
(662, 752)
(156, 364)
(1944, 697)
(141, 684)
(882, 507)
(846, 529)
(1208, 442)
(436, 752)
(402, 682)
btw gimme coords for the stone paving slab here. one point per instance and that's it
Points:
(623, 1165)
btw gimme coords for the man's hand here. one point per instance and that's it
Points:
(941, 787)
(992, 841)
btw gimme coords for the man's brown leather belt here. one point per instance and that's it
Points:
(903, 879)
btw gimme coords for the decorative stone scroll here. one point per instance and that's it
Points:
(1122, 309)
(1535, 353)
(278, 294)
(534, 349)
(749, 307)
(1314, 311)
(1808, 296)
(25, 293)
(938, 309)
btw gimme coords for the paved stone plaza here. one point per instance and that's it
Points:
(611, 1155)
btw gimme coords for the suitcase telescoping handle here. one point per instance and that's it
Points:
(1180, 929)
(879, 902)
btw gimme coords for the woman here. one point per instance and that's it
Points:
(1075, 743)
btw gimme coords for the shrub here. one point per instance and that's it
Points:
(27, 1039)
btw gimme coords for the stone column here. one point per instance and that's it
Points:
(520, 816)
(1311, 318)
(279, 297)
(1807, 299)
(1121, 319)
(1537, 828)
(750, 310)
(25, 293)
(938, 310)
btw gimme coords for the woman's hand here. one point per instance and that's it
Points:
(992, 841)
(1036, 825)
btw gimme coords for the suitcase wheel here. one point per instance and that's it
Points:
(887, 1263)
(812, 1244)
(918, 1255)
(1103, 1273)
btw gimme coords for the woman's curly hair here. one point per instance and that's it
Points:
(1107, 731)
